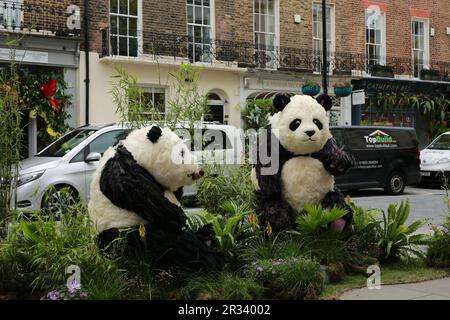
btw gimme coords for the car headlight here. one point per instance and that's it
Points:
(28, 177)
(443, 160)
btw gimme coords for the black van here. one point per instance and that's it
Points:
(386, 157)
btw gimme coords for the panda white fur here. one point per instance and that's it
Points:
(134, 195)
(308, 159)
(156, 158)
(302, 127)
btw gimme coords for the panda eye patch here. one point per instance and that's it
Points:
(295, 124)
(318, 124)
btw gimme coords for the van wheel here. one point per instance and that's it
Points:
(58, 199)
(395, 183)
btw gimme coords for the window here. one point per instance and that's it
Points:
(11, 13)
(375, 38)
(215, 104)
(124, 27)
(155, 97)
(420, 46)
(318, 33)
(106, 140)
(265, 34)
(199, 30)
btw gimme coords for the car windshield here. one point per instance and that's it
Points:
(441, 143)
(65, 144)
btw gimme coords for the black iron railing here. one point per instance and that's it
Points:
(57, 19)
(160, 46)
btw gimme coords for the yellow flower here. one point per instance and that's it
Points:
(348, 200)
(142, 231)
(269, 229)
(52, 133)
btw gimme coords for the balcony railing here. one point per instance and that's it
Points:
(168, 47)
(56, 19)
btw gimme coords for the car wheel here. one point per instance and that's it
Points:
(57, 199)
(395, 183)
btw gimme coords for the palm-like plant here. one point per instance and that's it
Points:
(316, 218)
(395, 237)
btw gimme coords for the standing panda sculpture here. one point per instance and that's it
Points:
(135, 194)
(308, 159)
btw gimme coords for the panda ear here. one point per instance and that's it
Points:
(281, 101)
(325, 101)
(154, 134)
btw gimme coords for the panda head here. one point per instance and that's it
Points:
(164, 155)
(301, 124)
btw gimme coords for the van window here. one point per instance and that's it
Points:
(338, 136)
(106, 140)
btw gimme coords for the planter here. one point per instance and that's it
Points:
(382, 71)
(311, 90)
(342, 91)
(432, 75)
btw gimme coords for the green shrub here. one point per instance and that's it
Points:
(438, 254)
(236, 227)
(256, 113)
(396, 239)
(364, 232)
(293, 278)
(315, 219)
(39, 251)
(226, 183)
(224, 286)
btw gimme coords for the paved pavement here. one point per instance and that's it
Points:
(429, 290)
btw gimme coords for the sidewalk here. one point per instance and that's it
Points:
(429, 290)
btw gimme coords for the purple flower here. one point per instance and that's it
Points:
(72, 291)
(53, 295)
(84, 294)
(74, 286)
(259, 269)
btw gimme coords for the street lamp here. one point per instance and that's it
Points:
(324, 48)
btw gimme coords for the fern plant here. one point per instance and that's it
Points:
(396, 239)
(316, 218)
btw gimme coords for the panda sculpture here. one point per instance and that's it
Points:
(135, 195)
(308, 158)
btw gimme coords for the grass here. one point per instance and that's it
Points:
(394, 273)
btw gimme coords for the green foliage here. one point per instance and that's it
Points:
(234, 228)
(224, 286)
(396, 239)
(292, 278)
(257, 112)
(36, 254)
(10, 140)
(132, 107)
(438, 254)
(316, 219)
(364, 231)
(225, 183)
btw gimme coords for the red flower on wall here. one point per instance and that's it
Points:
(48, 90)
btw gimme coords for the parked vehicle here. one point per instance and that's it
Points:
(435, 159)
(70, 162)
(386, 157)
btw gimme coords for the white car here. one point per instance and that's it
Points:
(435, 160)
(70, 162)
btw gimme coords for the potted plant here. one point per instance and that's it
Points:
(311, 88)
(430, 74)
(342, 89)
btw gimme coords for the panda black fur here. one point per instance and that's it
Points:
(138, 184)
(309, 158)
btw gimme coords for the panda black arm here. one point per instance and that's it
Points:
(334, 159)
(179, 194)
(129, 186)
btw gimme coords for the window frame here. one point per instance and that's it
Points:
(426, 42)
(139, 29)
(332, 46)
(382, 58)
(146, 87)
(276, 33)
(18, 13)
(212, 30)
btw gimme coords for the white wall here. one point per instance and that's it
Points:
(102, 109)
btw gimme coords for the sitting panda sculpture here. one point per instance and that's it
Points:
(308, 159)
(135, 194)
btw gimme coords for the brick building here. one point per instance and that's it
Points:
(251, 48)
